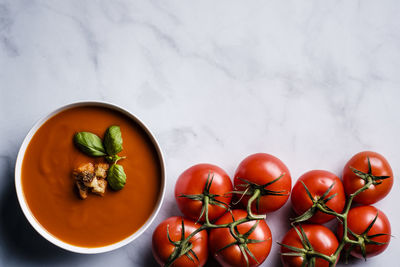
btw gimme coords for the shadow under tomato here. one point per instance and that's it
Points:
(18, 239)
(211, 262)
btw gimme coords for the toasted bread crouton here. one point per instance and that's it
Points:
(83, 190)
(85, 167)
(88, 176)
(84, 173)
(100, 170)
(100, 189)
(92, 183)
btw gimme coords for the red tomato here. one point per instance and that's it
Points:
(321, 239)
(318, 183)
(232, 255)
(163, 248)
(193, 181)
(358, 220)
(379, 167)
(261, 169)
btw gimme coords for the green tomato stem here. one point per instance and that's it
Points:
(324, 210)
(345, 239)
(206, 200)
(250, 214)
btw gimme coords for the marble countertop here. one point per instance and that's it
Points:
(311, 82)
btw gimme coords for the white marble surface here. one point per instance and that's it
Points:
(312, 82)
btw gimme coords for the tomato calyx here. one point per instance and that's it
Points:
(242, 240)
(182, 247)
(368, 177)
(319, 204)
(307, 252)
(251, 189)
(207, 199)
(363, 239)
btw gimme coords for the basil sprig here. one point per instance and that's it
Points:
(90, 144)
(116, 177)
(93, 146)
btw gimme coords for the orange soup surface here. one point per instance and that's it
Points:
(49, 187)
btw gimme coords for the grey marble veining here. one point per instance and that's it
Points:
(312, 82)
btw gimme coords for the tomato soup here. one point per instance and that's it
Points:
(49, 187)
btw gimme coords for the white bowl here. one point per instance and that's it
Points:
(39, 228)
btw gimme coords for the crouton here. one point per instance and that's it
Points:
(90, 183)
(88, 176)
(100, 170)
(84, 173)
(100, 189)
(82, 189)
(85, 168)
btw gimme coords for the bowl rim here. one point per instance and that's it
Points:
(24, 205)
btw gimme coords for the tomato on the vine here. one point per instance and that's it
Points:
(363, 167)
(253, 241)
(325, 188)
(376, 235)
(321, 239)
(199, 181)
(267, 174)
(171, 229)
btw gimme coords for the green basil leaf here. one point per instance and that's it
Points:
(113, 140)
(89, 144)
(116, 177)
